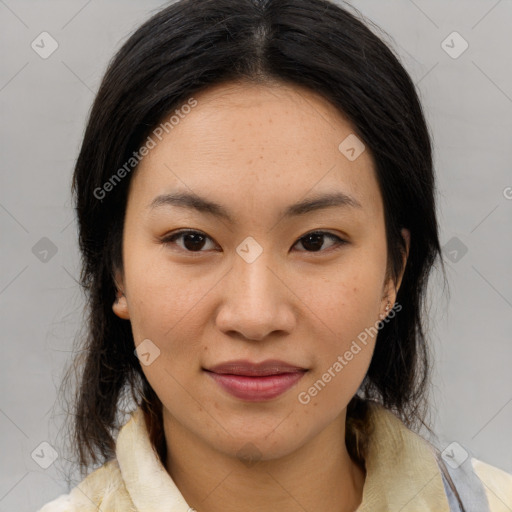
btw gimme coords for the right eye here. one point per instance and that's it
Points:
(191, 240)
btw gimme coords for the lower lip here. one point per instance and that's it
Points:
(255, 389)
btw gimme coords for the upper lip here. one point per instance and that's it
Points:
(261, 369)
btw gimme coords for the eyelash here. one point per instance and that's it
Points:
(170, 240)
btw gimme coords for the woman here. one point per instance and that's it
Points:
(255, 198)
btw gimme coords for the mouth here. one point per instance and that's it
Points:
(256, 382)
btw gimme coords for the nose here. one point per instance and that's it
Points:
(255, 300)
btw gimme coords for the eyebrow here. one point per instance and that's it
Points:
(203, 205)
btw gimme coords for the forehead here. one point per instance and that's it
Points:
(244, 141)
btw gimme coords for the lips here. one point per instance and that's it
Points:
(244, 367)
(256, 381)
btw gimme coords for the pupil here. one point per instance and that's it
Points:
(317, 242)
(197, 241)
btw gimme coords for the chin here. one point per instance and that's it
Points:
(251, 451)
(254, 444)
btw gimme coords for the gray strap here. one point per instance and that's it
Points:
(468, 486)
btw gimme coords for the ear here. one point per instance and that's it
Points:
(120, 305)
(391, 289)
(406, 235)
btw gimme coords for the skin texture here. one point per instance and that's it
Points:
(256, 150)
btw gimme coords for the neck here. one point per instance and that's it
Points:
(319, 475)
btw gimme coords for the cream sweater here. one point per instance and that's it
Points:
(401, 475)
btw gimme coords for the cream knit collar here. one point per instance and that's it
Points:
(402, 471)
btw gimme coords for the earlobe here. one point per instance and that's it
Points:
(120, 306)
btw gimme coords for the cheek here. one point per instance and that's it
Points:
(347, 299)
(345, 340)
(167, 308)
(347, 306)
(165, 304)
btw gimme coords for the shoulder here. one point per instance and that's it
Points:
(497, 484)
(104, 486)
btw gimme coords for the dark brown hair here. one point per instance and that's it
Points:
(192, 45)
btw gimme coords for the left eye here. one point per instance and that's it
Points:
(314, 240)
(194, 241)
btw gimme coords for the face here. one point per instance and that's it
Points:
(261, 266)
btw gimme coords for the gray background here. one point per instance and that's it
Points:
(44, 104)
